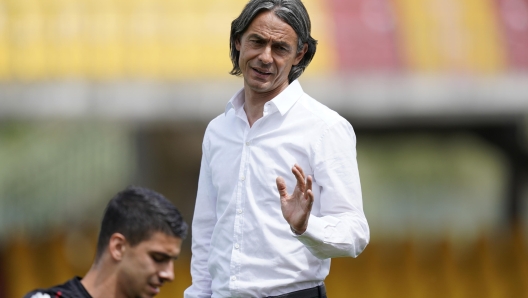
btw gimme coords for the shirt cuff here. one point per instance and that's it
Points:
(314, 234)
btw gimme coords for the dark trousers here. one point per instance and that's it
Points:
(315, 292)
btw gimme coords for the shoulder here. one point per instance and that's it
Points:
(328, 130)
(221, 122)
(41, 293)
(320, 114)
(217, 122)
(214, 127)
(69, 289)
(220, 126)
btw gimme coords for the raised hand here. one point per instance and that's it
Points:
(296, 208)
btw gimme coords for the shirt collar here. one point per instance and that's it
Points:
(236, 102)
(284, 101)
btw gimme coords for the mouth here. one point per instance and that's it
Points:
(261, 72)
(154, 289)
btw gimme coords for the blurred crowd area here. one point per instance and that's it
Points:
(177, 39)
(96, 95)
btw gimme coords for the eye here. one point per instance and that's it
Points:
(282, 49)
(159, 258)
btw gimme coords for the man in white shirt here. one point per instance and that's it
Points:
(253, 236)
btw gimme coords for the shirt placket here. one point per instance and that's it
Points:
(236, 253)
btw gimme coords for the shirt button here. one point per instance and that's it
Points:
(239, 211)
(242, 178)
(233, 278)
(237, 246)
(248, 143)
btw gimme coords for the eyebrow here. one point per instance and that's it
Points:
(164, 255)
(280, 43)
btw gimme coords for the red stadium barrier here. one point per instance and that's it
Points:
(513, 16)
(365, 32)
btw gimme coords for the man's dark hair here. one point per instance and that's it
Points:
(291, 12)
(137, 213)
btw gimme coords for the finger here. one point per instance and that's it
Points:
(309, 183)
(300, 170)
(281, 187)
(299, 177)
(310, 198)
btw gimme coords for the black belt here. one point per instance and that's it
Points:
(315, 292)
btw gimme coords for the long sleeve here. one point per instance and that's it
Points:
(341, 230)
(204, 221)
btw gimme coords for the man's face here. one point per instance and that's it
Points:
(268, 50)
(145, 267)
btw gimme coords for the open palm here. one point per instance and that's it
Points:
(296, 207)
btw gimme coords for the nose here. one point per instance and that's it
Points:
(265, 56)
(167, 272)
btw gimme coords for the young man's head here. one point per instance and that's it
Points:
(141, 234)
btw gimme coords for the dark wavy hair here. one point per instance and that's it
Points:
(137, 213)
(291, 12)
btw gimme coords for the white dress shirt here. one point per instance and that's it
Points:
(242, 246)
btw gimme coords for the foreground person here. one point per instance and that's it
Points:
(140, 237)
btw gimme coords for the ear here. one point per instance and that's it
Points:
(299, 56)
(117, 246)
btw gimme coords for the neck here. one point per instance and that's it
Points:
(254, 110)
(255, 101)
(100, 281)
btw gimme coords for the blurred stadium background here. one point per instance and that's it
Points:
(99, 94)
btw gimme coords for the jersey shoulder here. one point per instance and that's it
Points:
(70, 289)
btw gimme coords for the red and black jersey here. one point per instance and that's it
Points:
(70, 289)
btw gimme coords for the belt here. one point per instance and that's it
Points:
(315, 292)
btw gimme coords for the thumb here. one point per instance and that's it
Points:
(281, 187)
